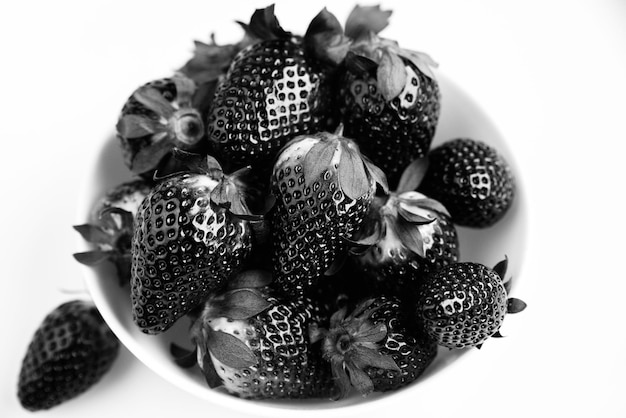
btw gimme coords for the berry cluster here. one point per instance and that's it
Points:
(288, 205)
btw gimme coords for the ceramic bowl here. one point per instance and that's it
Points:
(460, 117)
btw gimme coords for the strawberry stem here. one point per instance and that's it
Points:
(187, 127)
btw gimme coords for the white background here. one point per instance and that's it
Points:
(551, 74)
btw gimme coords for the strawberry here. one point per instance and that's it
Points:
(191, 233)
(323, 188)
(405, 236)
(275, 89)
(158, 117)
(389, 98)
(110, 227)
(126, 196)
(472, 180)
(463, 304)
(70, 351)
(256, 345)
(372, 349)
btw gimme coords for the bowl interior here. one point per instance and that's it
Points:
(460, 117)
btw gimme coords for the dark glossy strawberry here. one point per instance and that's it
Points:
(257, 346)
(405, 236)
(464, 304)
(472, 180)
(192, 232)
(275, 89)
(372, 349)
(323, 188)
(389, 97)
(160, 116)
(110, 227)
(71, 350)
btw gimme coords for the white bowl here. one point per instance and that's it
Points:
(460, 117)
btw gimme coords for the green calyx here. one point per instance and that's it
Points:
(338, 155)
(386, 58)
(178, 123)
(513, 305)
(404, 215)
(210, 61)
(365, 19)
(231, 191)
(264, 26)
(352, 345)
(112, 237)
(244, 299)
(326, 39)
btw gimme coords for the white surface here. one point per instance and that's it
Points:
(551, 75)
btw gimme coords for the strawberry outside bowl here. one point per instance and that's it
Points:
(460, 117)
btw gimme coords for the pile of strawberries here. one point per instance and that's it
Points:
(288, 205)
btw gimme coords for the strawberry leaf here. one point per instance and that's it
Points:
(338, 316)
(365, 19)
(92, 258)
(410, 236)
(410, 216)
(250, 279)
(264, 25)
(341, 377)
(150, 155)
(154, 100)
(377, 174)
(391, 74)
(325, 37)
(360, 64)
(221, 194)
(93, 234)
(183, 357)
(199, 163)
(230, 350)
(137, 126)
(210, 374)
(370, 333)
(424, 203)
(209, 61)
(361, 309)
(515, 305)
(318, 159)
(185, 88)
(368, 240)
(412, 175)
(369, 357)
(241, 304)
(422, 61)
(359, 379)
(501, 267)
(353, 179)
(508, 284)
(109, 214)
